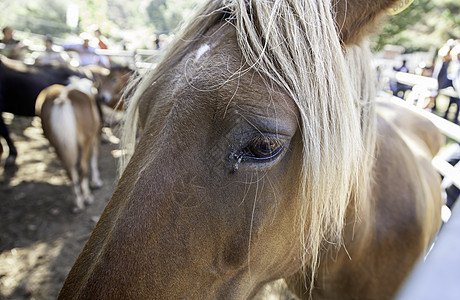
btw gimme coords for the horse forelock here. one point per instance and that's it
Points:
(295, 44)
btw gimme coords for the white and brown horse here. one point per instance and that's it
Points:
(263, 155)
(71, 123)
(20, 85)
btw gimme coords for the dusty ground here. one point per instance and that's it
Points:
(40, 237)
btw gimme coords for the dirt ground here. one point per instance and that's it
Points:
(40, 237)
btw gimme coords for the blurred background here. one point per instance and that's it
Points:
(136, 23)
(425, 26)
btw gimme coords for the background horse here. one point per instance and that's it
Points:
(110, 91)
(111, 87)
(71, 123)
(20, 85)
(261, 156)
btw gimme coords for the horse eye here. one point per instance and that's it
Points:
(262, 148)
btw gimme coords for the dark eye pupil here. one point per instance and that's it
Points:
(263, 148)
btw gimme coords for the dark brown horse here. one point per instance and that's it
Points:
(263, 155)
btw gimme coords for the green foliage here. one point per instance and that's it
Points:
(425, 24)
(40, 17)
(166, 15)
(113, 17)
(161, 16)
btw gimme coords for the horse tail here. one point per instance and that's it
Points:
(63, 127)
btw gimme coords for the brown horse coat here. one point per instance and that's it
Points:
(401, 220)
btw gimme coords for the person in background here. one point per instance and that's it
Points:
(11, 47)
(86, 53)
(397, 87)
(454, 77)
(441, 71)
(162, 41)
(156, 42)
(50, 56)
(102, 42)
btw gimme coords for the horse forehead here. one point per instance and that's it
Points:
(213, 77)
(202, 50)
(216, 68)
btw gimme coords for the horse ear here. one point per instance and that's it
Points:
(358, 18)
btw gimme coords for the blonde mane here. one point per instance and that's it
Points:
(295, 44)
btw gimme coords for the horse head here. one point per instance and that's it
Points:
(112, 86)
(255, 137)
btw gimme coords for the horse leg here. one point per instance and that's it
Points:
(78, 196)
(77, 183)
(13, 153)
(99, 110)
(103, 136)
(96, 181)
(84, 184)
(87, 195)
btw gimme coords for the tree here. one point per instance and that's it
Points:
(166, 15)
(46, 17)
(425, 24)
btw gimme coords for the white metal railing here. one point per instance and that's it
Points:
(412, 79)
(137, 56)
(142, 58)
(421, 87)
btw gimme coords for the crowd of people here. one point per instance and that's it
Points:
(87, 53)
(82, 53)
(445, 71)
(85, 49)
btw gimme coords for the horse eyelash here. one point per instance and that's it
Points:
(238, 157)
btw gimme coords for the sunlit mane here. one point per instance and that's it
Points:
(296, 45)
